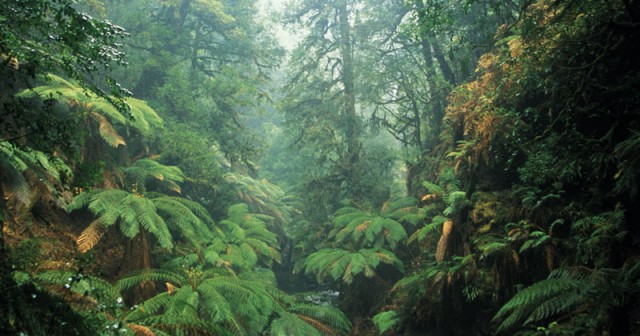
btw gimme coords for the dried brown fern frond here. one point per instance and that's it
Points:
(107, 131)
(140, 330)
(322, 327)
(447, 227)
(90, 236)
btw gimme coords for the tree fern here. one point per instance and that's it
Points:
(343, 265)
(142, 117)
(262, 196)
(242, 230)
(367, 228)
(133, 212)
(202, 300)
(144, 170)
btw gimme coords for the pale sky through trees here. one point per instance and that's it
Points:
(274, 8)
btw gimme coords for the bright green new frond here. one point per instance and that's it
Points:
(196, 209)
(237, 212)
(340, 268)
(386, 321)
(368, 229)
(379, 255)
(82, 200)
(184, 304)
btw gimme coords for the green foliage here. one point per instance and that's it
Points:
(144, 171)
(434, 226)
(386, 321)
(81, 284)
(24, 167)
(245, 241)
(571, 291)
(377, 229)
(198, 299)
(140, 116)
(308, 319)
(54, 36)
(343, 265)
(133, 212)
(262, 196)
(538, 301)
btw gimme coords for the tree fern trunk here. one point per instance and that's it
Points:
(137, 256)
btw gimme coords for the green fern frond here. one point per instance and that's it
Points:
(150, 275)
(289, 324)
(541, 294)
(455, 202)
(345, 265)
(386, 321)
(327, 314)
(144, 170)
(144, 118)
(433, 227)
(433, 188)
(494, 247)
(15, 161)
(85, 285)
(555, 306)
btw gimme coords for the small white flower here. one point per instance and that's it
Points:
(119, 300)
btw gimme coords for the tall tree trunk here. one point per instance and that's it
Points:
(437, 93)
(447, 72)
(352, 128)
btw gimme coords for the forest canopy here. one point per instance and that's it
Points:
(306, 167)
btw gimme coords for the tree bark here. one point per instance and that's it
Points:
(352, 129)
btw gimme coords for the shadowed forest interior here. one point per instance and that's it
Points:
(320, 167)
